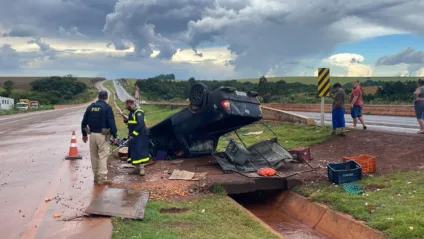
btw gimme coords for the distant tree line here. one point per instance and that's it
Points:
(166, 88)
(51, 90)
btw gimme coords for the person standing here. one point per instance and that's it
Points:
(419, 104)
(99, 122)
(338, 112)
(356, 105)
(138, 148)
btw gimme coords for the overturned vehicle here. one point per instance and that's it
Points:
(196, 130)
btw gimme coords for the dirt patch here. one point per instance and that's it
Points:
(173, 210)
(393, 151)
(156, 181)
(373, 188)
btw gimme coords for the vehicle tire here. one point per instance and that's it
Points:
(197, 94)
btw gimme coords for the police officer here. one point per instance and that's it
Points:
(138, 150)
(99, 122)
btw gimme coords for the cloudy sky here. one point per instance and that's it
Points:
(211, 39)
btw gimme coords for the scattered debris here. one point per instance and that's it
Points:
(127, 165)
(254, 133)
(373, 188)
(76, 218)
(181, 175)
(177, 162)
(123, 203)
(199, 176)
(267, 172)
(186, 175)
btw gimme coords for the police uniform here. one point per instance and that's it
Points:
(101, 122)
(138, 150)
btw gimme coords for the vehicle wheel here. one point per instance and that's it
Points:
(197, 94)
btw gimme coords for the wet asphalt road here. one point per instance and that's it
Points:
(399, 124)
(33, 147)
(121, 92)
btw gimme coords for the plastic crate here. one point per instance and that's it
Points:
(344, 172)
(367, 162)
(161, 155)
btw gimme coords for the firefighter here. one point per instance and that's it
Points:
(138, 150)
(99, 122)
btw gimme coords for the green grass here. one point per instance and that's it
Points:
(289, 135)
(18, 111)
(210, 216)
(393, 209)
(84, 97)
(154, 114)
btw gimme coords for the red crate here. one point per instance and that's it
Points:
(367, 162)
(301, 153)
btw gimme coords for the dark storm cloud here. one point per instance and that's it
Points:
(71, 33)
(49, 15)
(152, 24)
(9, 58)
(45, 48)
(401, 14)
(406, 56)
(23, 31)
(263, 34)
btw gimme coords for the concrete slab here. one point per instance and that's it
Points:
(233, 183)
(119, 203)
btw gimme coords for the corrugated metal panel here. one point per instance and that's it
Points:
(120, 203)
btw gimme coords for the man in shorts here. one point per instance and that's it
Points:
(356, 105)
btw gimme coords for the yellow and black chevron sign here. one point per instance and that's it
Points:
(324, 82)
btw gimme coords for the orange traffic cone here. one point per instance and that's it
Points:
(73, 150)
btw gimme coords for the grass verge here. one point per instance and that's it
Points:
(18, 111)
(289, 135)
(210, 216)
(391, 203)
(84, 97)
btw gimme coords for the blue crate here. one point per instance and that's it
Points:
(344, 172)
(161, 155)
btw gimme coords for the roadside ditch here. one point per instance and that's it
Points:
(296, 217)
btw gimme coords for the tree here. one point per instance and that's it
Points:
(9, 86)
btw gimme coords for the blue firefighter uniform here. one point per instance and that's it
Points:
(138, 150)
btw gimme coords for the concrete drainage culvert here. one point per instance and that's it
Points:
(296, 217)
